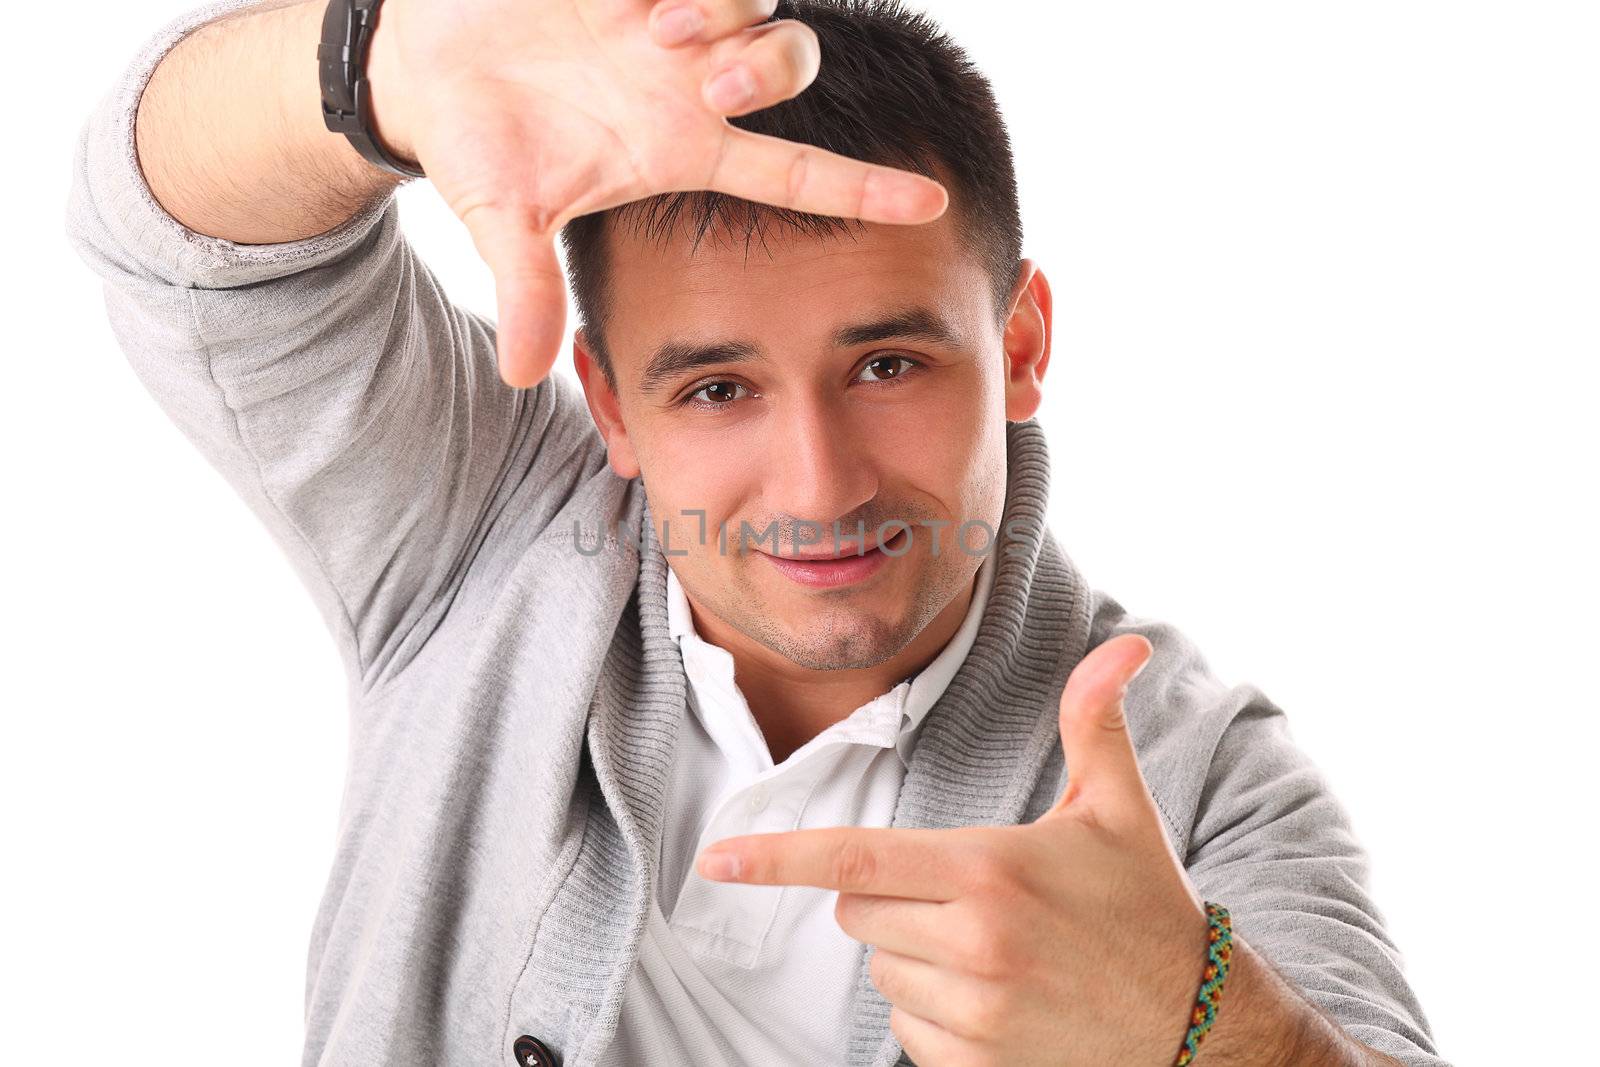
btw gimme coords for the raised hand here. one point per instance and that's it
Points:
(528, 113)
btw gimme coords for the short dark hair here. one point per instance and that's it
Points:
(893, 89)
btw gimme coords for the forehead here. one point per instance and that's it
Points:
(782, 287)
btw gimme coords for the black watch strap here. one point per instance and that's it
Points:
(342, 70)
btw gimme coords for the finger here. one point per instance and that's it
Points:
(954, 1003)
(918, 928)
(1101, 765)
(679, 22)
(916, 986)
(928, 1042)
(760, 67)
(913, 863)
(804, 178)
(530, 293)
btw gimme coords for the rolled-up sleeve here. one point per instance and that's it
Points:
(1272, 843)
(355, 409)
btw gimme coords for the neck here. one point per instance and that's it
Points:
(792, 704)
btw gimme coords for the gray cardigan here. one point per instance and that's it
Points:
(513, 701)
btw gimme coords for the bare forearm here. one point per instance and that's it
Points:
(1263, 1022)
(230, 135)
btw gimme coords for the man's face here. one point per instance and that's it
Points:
(859, 379)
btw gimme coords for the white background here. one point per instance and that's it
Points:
(1322, 395)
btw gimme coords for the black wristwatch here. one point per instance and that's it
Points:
(342, 70)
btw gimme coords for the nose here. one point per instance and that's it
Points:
(820, 468)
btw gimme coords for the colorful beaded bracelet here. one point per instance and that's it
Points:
(1219, 950)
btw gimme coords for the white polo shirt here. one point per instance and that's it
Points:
(737, 974)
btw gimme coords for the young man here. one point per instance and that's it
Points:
(779, 579)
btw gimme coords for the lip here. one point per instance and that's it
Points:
(833, 570)
(850, 548)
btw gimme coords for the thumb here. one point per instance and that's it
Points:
(1101, 767)
(530, 292)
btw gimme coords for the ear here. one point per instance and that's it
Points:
(604, 408)
(1027, 342)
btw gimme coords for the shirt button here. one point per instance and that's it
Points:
(758, 799)
(531, 1052)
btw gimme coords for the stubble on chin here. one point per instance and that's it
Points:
(838, 637)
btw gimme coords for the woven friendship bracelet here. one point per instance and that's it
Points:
(1219, 950)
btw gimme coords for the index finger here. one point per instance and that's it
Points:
(917, 864)
(801, 177)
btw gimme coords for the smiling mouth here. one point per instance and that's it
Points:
(840, 566)
(843, 551)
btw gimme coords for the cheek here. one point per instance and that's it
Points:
(697, 491)
(972, 488)
(949, 456)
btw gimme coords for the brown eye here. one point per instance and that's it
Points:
(717, 394)
(881, 368)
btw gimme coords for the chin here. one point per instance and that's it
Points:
(836, 656)
(838, 639)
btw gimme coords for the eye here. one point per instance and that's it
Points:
(880, 366)
(719, 394)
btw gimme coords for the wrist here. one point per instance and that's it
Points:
(1264, 1021)
(386, 84)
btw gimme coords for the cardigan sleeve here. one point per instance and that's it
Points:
(332, 383)
(1261, 832)
(1272, 843)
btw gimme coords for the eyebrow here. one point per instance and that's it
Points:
(912, 324)
(677, 358)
